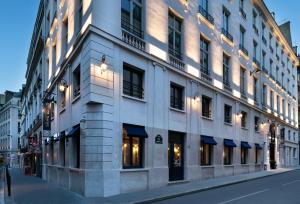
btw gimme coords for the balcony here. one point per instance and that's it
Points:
(255, 61)
(264, 40)
(227, 34)
(206, 15)
(133, 36)
(205, 76)
(243, 13)
(175, 58)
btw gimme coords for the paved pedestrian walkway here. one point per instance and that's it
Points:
(32, 190)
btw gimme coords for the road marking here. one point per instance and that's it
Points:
(285, 184)
(245, 196)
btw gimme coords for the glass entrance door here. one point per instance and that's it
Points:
(176, 156)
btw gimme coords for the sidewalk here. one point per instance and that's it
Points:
(32, 190)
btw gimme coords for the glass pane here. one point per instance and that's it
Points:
(178, 42)
(136, 148)
(177, 155)
(126, 151)
(171, 38)
(126, 13)
(137, 18)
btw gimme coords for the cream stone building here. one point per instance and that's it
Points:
(143, 93)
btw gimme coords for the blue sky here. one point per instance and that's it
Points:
(18, 17)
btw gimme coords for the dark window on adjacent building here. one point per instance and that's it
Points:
(132, 151)
(175, 36)
(256, 124)
(204, 58)
(206, 106)
(255, 89)
(65, 35)
(226, 60)
(227, 114)
(131, 16)
(176, 96)
(133, 82)
(76, 82)
(242, 81)
(244, 120)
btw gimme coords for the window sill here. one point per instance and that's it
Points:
(177, 110)
(207, 166)
(228, 124)
(75, 99)
(134, 170)
(206, 118)
(133, 98)
(244, 128)
(245, 165)
(228, 165)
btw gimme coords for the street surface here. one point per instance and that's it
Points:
(278, 189)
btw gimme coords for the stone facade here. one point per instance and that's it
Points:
(82, 33)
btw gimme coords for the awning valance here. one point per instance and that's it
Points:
(258, 146)
(75, 131)
(208, 140)
(245, 145)
(229, 143)
(135, 131)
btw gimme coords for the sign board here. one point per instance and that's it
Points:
(158, 139)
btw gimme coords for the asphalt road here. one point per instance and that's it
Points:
(278, 189)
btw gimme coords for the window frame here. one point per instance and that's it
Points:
(204, 53)
(204, 154)
(131, 86)
(227, 115)
(177, 102)
(172, 49)
(226, 70)
(227, 158)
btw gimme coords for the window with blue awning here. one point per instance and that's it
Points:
(135, 131)
(245, 145)
(208, 140)
(229, 143)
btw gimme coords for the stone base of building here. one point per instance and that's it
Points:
(98, 183)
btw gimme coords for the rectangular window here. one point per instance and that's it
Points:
(53, 59)
(264, 95)
(176, 96)
(133, 81)
(65, 39)
(255, 89)
(263, 59)
(206, 107)
(242, 81)
(283, 107)
(227, 114)
(289, 111)
(256, 123)
(226, 15)
(226, 61)
(206, 154)
(131, 16)
(79, 15)
(242, 37)
(204, 58)
(132, 151)
(244, 120)
(244, 155)
(174, 40)
(255, 51)
(282, 79)
(272, 100)
(228, 155)
(76, 82)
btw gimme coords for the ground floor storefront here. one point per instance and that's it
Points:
(147, 158)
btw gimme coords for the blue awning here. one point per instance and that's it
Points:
(245, 145)
(75, 130)
(258, 146)
(135, 131)
(208, 140)
(229, 143)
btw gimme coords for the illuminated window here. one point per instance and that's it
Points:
(228, 155)
(132, 150)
